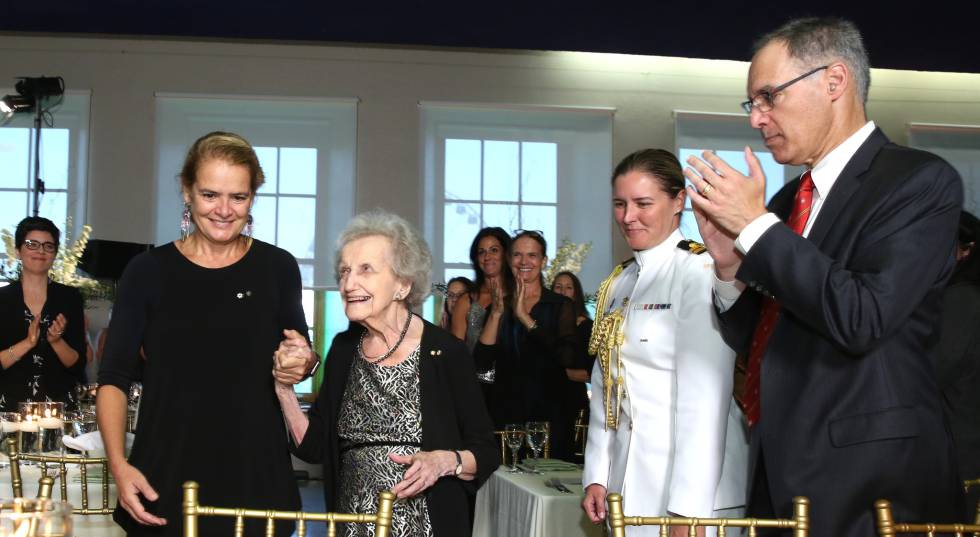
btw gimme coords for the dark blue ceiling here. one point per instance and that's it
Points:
(933, 36)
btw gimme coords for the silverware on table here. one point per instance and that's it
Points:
(557, 485)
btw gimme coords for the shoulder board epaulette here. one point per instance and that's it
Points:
(692, 246)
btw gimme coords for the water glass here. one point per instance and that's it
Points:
(537, 436)
(514, 436)
(35, 517)
(9, 428)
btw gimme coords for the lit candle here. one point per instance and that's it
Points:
(51, 423)
(28, 425)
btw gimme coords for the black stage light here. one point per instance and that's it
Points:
(11, 104)
(30, 91)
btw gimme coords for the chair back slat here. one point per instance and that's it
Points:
(887, 527)
(381, 519)
(60, 463)
(800, 523)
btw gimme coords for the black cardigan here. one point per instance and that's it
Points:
(453, 417)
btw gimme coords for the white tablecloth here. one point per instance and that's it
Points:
(84, 525)
(520, 505)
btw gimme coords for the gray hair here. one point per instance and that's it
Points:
(410, 256)
(815, 41)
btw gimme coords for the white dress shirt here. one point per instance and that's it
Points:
(824, 175)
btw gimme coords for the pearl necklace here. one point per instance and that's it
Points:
(386, 355)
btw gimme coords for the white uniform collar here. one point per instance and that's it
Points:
(659, 253)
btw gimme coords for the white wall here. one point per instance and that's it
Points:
(123, 76)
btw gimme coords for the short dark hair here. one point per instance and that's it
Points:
(468, 283)
(815, 41)
(35, 223)
(578, 303)
(660, 164)
(506, 275)
(224, 146)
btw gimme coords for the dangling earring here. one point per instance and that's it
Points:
(185, 222)
(248, 226)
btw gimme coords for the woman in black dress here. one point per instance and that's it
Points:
(531, 343)
(209, 312)
(42, 340)
(576, 396)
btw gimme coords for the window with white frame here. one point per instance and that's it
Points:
(960, 146)
(535, 168)
(63, 156)
(727, 135)
(306, 149)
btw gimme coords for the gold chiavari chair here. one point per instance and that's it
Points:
(192, 510)
(967, 485)
(581, 432)
(887, 527)
(800, 523)
(61, 463)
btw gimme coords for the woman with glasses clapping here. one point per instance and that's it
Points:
(41, 327)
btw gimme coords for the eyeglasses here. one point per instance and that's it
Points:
(49, 247)
(763, 101)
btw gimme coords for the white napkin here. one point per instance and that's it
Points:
(91, 441)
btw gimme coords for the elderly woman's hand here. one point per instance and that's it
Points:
(292, 359)
(425, 468)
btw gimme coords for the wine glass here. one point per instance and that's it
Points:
(537, 436)
(514, 435)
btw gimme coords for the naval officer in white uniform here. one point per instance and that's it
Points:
(664, 430)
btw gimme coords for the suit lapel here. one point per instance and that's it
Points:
(845, 186)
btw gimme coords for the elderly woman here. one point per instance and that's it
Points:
(42, 340)
(530, 340)
(209, 311)
(399, 408)
(663, 428)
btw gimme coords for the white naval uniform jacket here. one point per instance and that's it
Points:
(669, 453)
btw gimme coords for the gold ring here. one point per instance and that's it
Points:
(706, 189)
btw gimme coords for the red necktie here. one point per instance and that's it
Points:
(770, 308)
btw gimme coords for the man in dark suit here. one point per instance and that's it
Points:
(834, 292)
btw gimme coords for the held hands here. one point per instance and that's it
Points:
(424, 469)
(292, 359)
(594, 503)
(57, 328)
(130, 484)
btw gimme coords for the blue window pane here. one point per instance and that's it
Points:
(429, 309)
(269, 160)
(689, 226)
(297, 170)
(504, 216)
(54, 158)
(451, 273)
(539, 172)
(461, 222)
(544, 219)
(500, 169)
(264, 219)
(306, 275)
(336, 320)
(462, 177)
(297, 226)
(775, 173)
(13, 208)
(54, 207)
(15, 156)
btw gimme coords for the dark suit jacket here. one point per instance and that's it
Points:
(850, 409)
(453, 417)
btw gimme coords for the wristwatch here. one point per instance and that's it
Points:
(312, 371)
(459, 464)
